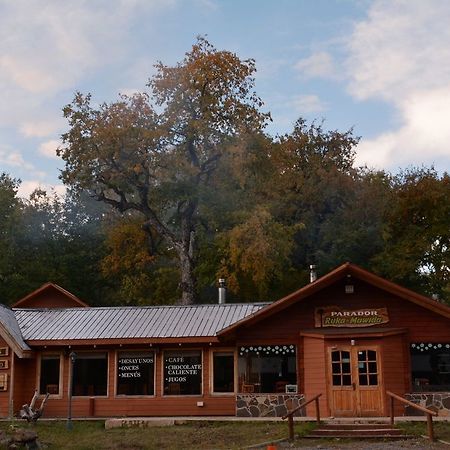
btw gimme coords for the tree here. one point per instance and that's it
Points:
(159, 160)
(416, 233)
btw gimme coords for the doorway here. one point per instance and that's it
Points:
(355, 381)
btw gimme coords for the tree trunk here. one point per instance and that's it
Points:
(187, 283)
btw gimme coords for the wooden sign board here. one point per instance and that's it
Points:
(4, 351)
(333, 316)
(3, 381)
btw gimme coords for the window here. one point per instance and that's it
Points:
(267, 368)
(183, 373)
(90, 374)
(135, 373)
(430, 367)
(49, 374)
(223, 372)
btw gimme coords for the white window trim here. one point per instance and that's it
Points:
(233, 351)
(61, 373)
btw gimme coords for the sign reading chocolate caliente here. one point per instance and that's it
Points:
(333, 316)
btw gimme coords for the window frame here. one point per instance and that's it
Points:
(60, 354)
(179, 350)
(71, 372)
(116, 365)
(296, 356)
(230, 350)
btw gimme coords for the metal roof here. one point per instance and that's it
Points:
(9, 322)
(130, 322)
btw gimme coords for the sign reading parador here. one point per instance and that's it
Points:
(333, 316)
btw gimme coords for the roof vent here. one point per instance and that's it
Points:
(312, 273)
(222, 291)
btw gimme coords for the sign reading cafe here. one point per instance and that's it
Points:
(333, 316)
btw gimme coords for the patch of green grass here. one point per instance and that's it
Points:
(441, 429)
(91, 435)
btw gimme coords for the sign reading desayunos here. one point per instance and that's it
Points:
(333, 316)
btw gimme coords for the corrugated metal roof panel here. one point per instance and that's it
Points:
(130, 322)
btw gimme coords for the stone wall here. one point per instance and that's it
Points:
(268, 405)
(436, 401)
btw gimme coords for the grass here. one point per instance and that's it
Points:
(441, 429)
(91, 435)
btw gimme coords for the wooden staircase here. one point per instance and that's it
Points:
(357, 430)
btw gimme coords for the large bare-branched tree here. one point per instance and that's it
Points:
(156, 154)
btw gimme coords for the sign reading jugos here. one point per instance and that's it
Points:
(333, 316)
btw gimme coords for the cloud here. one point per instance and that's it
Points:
(48, 148)
(27, 187)
(319, 64)
(305, 104)
(401, 54)
(423, 138)
(40, 127)
(13, 158)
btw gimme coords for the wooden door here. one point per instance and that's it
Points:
(355, 381)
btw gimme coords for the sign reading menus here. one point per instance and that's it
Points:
(134, 367)
(333, 316)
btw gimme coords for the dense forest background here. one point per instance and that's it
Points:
(171, 189)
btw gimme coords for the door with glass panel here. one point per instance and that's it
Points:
(355, 381)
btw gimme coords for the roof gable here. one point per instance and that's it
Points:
(10, 332)
(50, 295)
(329, 279)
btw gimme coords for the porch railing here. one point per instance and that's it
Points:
(290, 414)
(428, 412)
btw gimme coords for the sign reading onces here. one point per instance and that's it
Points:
(129, 367)
(333, 316)
(135, 373)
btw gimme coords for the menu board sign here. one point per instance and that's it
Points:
(182, 373)
(135, 373)
(134, 367)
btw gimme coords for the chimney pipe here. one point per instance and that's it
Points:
(312, 273)
(222, 291)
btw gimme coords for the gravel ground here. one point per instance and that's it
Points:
(417, 444)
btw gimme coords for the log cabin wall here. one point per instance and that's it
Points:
(158, 405)
(423, 324)
(314, 375)
(5, 373)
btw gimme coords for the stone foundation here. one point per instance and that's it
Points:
(436, 401)
(268, 405)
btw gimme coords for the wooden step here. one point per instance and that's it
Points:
(358, 431)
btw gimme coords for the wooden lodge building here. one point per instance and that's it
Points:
(350, 335)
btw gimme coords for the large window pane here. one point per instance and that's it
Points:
(90, 374)
(182, 373)
(50, 370)
(135, 372)
(430, 366)
(267, 368)
(223, 372)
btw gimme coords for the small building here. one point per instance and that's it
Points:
(349, 335)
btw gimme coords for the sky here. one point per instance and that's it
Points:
(380, 67)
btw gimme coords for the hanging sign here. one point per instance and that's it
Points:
(333, 316)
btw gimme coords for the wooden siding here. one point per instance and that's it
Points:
(158, 405)
(314, 382)
(395, 354)
(285, 326)
(5, 395)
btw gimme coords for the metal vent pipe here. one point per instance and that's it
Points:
(312, 273)
(222, 291)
